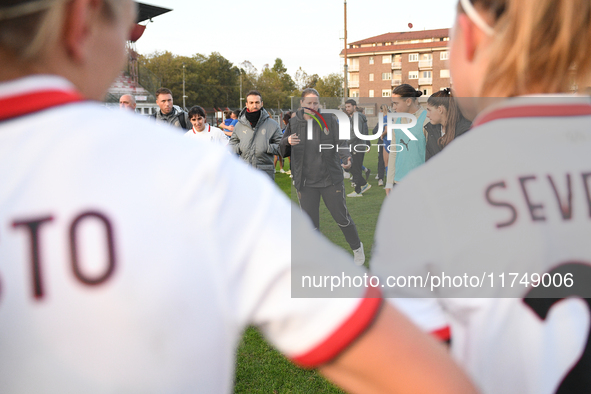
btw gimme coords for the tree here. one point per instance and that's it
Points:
(210, 81)
(330, 86)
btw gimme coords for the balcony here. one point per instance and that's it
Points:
(396, 82)
(353, 84)
(396, 65)
(425, 81)
(353, 68)
(426, 63)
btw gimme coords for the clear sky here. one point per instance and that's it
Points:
(303, 33)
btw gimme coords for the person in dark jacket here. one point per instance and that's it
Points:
(446, 122)
(316, 167)
(170, 113)
(358, 149)
(256, 136)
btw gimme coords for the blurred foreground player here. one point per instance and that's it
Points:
(511, 196)
(115, 275)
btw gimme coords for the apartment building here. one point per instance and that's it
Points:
(418, 58)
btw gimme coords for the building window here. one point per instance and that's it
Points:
(386, 76)
(354, 93)
(371, 60)
(413, 75)
(368, 111)
(386, 59)
(386, 93)
(444, 73)
(371, 77)
(444, 55)
(427, 74)
(371, 93)
(413, 57)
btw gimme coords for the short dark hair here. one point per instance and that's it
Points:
(163, 91)
(237, 112)
(309, 92)
(351, 101)
(254, 93)
(197, 111)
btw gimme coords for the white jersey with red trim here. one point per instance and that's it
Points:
(116, 270)
(511, 195)
(212, 134)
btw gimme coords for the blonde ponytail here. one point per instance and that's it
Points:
(539, 46)
(26, 36)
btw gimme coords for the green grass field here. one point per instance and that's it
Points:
(259, 367)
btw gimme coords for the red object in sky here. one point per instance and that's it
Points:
(137, 32)
(410, 25)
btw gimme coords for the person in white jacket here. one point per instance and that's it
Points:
(202, 130)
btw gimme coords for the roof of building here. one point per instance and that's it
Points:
(395, 48)
(147, 11)
(405, 35)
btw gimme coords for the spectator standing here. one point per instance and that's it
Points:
(318, 172)
(170, 113)
(409, 153)
(127, 101)
(446, 122)
(278, 158)
(202, 130)
(230, 123)
(358, 148)
(256, 136)
(382, 152)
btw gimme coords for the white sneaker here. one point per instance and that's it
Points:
(288, 172)
(282, 171)
(365, 188)
(380, 183)
(354, 194)
(353, 184)
(359, 256)
(377, 177)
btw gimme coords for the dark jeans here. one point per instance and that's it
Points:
(356, 171)
(381, 165)
(334, 199)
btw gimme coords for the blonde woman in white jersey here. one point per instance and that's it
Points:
(513, 196)
(115, 271)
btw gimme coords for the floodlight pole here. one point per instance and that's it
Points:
(346, 87)
(184, 96)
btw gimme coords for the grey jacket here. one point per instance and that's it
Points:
(260, 151)
(173, 118)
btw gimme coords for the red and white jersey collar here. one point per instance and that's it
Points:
(35, 93)
(204, 131)
(536, 107)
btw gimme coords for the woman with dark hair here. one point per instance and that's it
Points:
(446, 122)
(406, 154)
